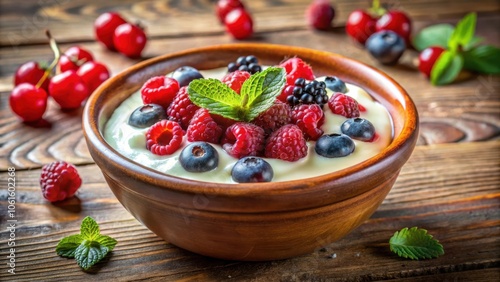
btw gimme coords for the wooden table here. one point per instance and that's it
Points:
(450, 186)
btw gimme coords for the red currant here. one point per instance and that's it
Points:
(93, 74)
(31, 72)
(129, 40)
(73, 58)
(428, 58)
(239, 24)
(68, 90)
(360, 25)
(396, 21)
(28, 102)
(104, 28)
(223, 7)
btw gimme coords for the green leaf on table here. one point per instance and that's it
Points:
(435, 35)
(89, 253)
(446, 68)
(415, 243)
(67, 246)
(463, 33)
(483, 59)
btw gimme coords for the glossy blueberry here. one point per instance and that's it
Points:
(334, 145)
(386, 46)
(252, 169)
(147, 115)
(358, 128)
(199, 157)
(335, 84)
(184, 75)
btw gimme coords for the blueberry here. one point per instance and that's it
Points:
(335, 84)
(199, 157)
(184, 75)
(334, 145)
(252, 169)
(386, 46)
(147, 115)
(358, 128)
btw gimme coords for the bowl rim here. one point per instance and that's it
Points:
(95, 138)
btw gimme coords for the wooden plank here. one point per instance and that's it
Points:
(459, 205)
(24, 22)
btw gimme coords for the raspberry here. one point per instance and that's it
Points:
(182, 109)
(320, 14)
(275, 117)
(203, 128)
(159, 90)
(309, 118)
(235, 79)
(296, 68)
(243, 139)
(343, 105)
(164, 137)
(59, 180)
(287, 143)
(223, 122)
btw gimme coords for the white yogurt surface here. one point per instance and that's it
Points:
(131, 142)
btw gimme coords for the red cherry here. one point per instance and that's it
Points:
(223, 7)
(129, 40)
(428, 58)
(73, 58)
(239, 24)
(28, 102)
(104, 28)
(93, 74)
(320, 14)
(396, 21)
(360, 25)
(31, 72)
(68, 90)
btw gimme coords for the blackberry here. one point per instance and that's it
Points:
(245, 63)
(304, 92)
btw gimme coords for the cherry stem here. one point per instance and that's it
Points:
(57, 55)
(376, 4)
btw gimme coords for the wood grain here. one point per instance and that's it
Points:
(458, 203)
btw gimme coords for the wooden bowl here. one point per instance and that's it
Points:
(253, 222)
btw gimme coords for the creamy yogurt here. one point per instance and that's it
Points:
(131, 142)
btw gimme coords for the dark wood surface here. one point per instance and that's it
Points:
(450, 186)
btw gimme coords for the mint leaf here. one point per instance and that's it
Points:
(106, 241)
(446, 68)
(435, 35)
(473, 43)
(483, 59)
(89, 229)
(463, 33)
(67, 246)
(415, 243)
(88, 253)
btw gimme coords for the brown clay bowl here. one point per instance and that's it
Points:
(252, 222)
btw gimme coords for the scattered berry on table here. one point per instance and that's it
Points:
(335, 84)
(59, 180)
(185, 74)
(164, 137)
(343, 105)
(243, 139)
(129, 40)
(68, 90)
(252, 169)
(360, 25)
(199, 157)
(386, 46)
(28, 102)
(239, 23)
(223, 7)
(287, 143)
(396, 21)
(320, 14)
(182, 109)
(428, 58)
(93, 74)
(248, 63)
(147, 115)
(202, 127)
(159, 90)
(334, 145)
(31, 72)
(303, 92)
(236, 79)
(275, 117)
(104, 28)
(309, 118)
(359, 129)
(73, 58)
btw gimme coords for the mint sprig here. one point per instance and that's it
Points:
(257, 94)
(415, 243)
(88, 247)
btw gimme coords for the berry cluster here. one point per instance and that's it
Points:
(304, 92)
(235, 17)
(245, 63)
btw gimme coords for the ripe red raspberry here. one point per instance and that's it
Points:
(203, 128)
(275, 117)
(59, 181)
(296, 68)
(243, 139)
(235, 79)
(320, 14)
(309, 118)
(182, 109)
(159, 90)
(343, 105)
(287, 143)
(223, 122)
(164, 137)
